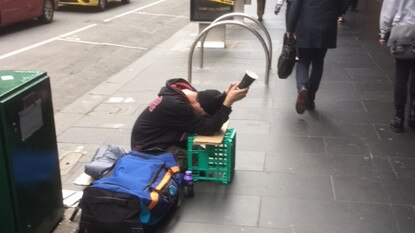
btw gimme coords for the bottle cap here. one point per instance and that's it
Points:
(188, 172)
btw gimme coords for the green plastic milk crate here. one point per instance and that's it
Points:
(212, 162)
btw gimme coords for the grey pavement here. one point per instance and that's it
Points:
(338, 169)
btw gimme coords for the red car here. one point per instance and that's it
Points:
(13, 11)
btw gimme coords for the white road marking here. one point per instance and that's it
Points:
(75, 31)
(43, 42)
(133, 11)
(100, 43)
(166, 15)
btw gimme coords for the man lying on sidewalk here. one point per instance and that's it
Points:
(180, 110)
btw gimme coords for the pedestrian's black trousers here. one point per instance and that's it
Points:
(405, 73)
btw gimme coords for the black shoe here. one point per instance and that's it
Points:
(310, 105)
(397, 124)
(302, 100)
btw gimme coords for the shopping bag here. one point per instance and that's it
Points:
(286, 60)
(402, 41)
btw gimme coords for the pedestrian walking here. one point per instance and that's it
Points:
(314, 24)
(260, 9)
(396, 13)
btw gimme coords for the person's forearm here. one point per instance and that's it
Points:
(227, 103)
(386, 16)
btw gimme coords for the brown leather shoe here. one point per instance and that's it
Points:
(302, 101)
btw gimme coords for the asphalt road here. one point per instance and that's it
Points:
(82, 47)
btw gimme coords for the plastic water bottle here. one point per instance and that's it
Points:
(188, 184)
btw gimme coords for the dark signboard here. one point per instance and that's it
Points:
(209, 10)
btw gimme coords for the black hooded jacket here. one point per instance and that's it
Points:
(170, 118)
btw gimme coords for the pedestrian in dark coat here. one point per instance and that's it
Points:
(260, 9)
(314, 24)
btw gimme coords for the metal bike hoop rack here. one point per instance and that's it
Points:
(242, 15)
(226, 22)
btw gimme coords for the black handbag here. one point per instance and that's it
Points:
(286, 61)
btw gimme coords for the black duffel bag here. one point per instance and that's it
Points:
(109, 212)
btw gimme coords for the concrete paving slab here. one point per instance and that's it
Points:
(326, 216)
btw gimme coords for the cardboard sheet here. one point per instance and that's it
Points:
(214, 139)
(71, 198)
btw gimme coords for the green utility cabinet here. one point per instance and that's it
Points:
(30, 183)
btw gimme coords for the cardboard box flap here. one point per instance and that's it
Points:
(214, 139)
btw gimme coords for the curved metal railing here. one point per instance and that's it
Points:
(226, 22)
(243, 15)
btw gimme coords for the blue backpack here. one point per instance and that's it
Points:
(139, 192)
